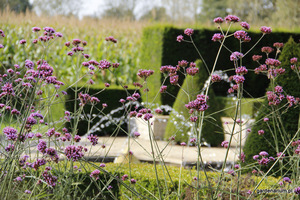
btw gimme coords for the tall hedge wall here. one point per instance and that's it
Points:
(290, 84)
(110, 96)
(151, 55)
(168, 51)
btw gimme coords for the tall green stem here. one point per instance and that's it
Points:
(152, 148)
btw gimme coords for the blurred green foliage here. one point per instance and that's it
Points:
(179, 124)
(96, 113)
(126, 52)
(168, 51)
(274, 129)
(147, 186)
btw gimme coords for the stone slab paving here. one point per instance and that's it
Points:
(172, 154)
(116, 150)
(176, 154)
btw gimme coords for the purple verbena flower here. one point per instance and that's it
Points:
(218, 20)
(57, 34)
(231, 172)
(183, 144)
(124, 177)
(74, 152)
(147, 116)
(179, 38)
(267, 50)
(42, 146)
(232, 18)
(158, 111)
(174, 79)
(19, 179)
(102, 165)
(182, 63)
(245, 25)
(265, 30)
(293, 60)
(136, 134)
(242, 158)
(287, 179)
(163, 89)
(255, 157)
(77, 138)
(241, 35)
(132, 181)
(297, 190)
(224, 144)
(22, 41)
(241, 70)
(272, 62)
(266, 119)
(188, 31)
(50, 132)
(193, 140)
(27, 192)
(263, 161)
(256, 57)
(7, 89)
(192, 71)
(10, 148)
(261, 132)
(111, 39)
(93, 139)
(49, 178)
(238, 79)
(217, 37)
(95, 174)
(145, 73)
(52, 153)
(235, 56)
(36, 29)
(263, 153)
(109, 187)
(11, 133)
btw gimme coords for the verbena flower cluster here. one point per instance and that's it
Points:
(53, 142)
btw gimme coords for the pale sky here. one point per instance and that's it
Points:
(93, 7)
(90, 7)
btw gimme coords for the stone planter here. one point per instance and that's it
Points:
(228, 125)
(158, 126)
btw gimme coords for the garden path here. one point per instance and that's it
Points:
(172, 154)
(117, 148)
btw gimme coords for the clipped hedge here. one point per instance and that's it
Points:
(151, 55)
(146, 181)
(256, 143)
(84, 187)
(178, 126)
(111, 96)
(168, 52)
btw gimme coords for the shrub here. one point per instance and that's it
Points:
(179, 124)
(112, 115)
(290, 117)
